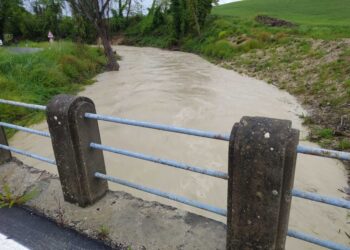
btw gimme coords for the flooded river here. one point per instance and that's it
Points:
(185, 90)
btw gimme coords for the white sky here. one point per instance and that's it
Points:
(146, 3)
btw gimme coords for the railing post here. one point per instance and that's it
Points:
(262, 157)
(5, 155)
(71, 135)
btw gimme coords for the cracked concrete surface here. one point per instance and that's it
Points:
(131, 222)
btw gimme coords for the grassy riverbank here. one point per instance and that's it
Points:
(63, 67)
(310, 59)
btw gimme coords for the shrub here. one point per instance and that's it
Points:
(325, 133)
(221, 49)
(344, 144)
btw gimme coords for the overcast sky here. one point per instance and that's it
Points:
(148, 3)
(145, 4)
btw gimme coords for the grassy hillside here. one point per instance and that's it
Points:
(320, 12)
(323, 18)
(63, 67)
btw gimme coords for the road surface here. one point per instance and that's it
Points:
(22, 230)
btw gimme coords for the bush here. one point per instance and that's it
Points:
(344, 144)
(222, 49)
(325, 133)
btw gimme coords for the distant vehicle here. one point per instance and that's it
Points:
(1, 43)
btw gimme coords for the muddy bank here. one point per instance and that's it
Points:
(317, 72)
(182, 89)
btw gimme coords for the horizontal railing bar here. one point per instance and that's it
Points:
(321, 198)
(312, 239)
(22, 104)
(169, 196)
(171, 163)
(22, 152)
(24, 129)
(157, 126)
(324, 152)
(225, 137)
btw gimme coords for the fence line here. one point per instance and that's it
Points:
(170, 163)
(169, 196)
(26, 153)
(24, 129)
(24, 105)
(316, 241)
(206, 134)
(321, 198)
(324, 152)
(194, 132)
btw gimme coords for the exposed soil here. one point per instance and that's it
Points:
(273, 22)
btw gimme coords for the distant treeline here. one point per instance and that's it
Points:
(32, 20)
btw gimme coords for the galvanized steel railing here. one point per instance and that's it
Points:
(214, 173)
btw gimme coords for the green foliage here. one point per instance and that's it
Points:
(221, 49)
(189, 16)
(46, 16)
(8, 199)
(325, 133)
(34, 78)
(344, 144)
(103, 232)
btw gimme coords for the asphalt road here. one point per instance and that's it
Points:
(21, 230)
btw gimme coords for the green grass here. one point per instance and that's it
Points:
(63, 67)
(9, 199)
(322, 18)
(320, 12)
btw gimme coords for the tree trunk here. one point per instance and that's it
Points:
(129, 8)
(112, 64)
(120, 9)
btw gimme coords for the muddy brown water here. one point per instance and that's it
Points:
(185, 90)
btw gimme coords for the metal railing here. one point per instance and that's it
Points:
(214, 173)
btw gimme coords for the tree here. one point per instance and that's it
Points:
(97, 12)
(189, 15)
(49, 14)
(9, 9)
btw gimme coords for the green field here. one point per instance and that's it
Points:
(320, 12)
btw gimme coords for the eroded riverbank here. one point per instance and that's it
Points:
(182, 89)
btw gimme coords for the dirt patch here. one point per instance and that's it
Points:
(273, 22)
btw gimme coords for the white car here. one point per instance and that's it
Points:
(1, 42)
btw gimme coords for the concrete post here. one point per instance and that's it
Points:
(262, 157)
(71, 134)
(5, 155)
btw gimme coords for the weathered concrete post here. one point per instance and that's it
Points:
(71, 135)
(5, 155)
(262, 157)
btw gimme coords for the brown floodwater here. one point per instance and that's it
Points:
(185, 90)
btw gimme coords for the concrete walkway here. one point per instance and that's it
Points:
(21, 230)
